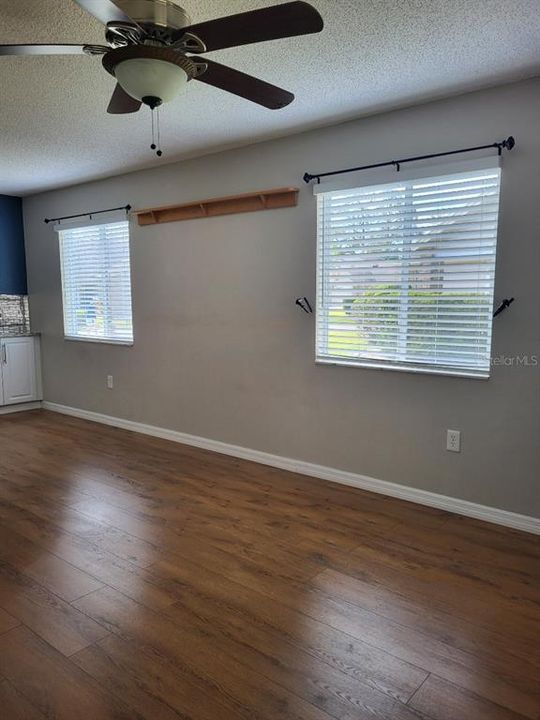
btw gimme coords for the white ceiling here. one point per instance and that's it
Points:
(372, 55)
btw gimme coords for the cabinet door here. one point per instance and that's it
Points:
(18, 370)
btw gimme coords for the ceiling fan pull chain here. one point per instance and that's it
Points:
(156, 133)
(153, 145)
(158, 153)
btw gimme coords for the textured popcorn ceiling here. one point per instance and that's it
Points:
(372, 55)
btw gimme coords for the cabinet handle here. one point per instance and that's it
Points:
(4, 354)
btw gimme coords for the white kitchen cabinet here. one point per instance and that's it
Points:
(19, 370)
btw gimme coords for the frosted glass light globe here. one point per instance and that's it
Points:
(148, 77)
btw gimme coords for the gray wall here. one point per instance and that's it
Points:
(221, 350)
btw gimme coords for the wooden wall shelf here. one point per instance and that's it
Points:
(250, 202)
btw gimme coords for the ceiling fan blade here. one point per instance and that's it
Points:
(122, 103)
(272, 23)
(104, 10)
(246, 86)
(41, 49)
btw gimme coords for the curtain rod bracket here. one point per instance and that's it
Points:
(505, 304)
(304, 303)
(506, 144)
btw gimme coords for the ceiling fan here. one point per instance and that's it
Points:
(153, 49)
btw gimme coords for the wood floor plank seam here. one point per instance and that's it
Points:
(59, 557)
(501, 711)
(271, 681)
(208, 678)
(336, 714)
(342, 632)
(154, 696)
(80, 597)
(418, 688)
(401, 657)
(46, 712)
(405, 627)
(330, 627)
(82, 536)
(52, 602)
(399, 703)
(494, 633)
(4, 632)
(10, 696)
(495, 630)
(402, 625)
(90, 545)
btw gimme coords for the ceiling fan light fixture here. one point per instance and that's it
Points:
(146, 71)
(146, 77)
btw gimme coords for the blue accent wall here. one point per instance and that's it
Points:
(12, 255)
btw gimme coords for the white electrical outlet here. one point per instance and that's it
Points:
(110, 382)
(453, 440)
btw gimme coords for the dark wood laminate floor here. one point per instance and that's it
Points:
(144, 579)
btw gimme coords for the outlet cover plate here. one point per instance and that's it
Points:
(453, 440)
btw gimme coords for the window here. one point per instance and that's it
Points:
(96, 283)
(406, 273)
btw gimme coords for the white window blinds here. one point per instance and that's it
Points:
(96, 282)
(406, 273)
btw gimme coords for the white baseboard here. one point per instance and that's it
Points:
(19, 407)
(422, 497)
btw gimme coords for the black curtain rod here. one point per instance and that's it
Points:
(127, 208)
(507, 144)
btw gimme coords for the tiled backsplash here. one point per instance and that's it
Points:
(14, 317)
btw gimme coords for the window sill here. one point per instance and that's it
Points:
(99, 341)
(418, 369)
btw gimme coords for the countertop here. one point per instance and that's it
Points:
(11, 334)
